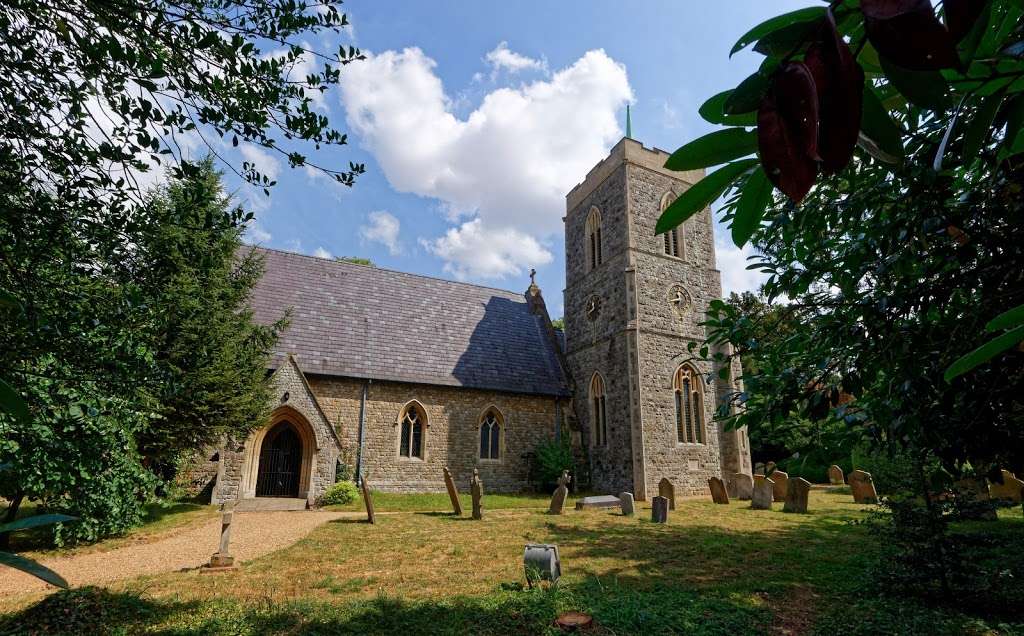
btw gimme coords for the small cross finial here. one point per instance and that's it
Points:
(533, 276)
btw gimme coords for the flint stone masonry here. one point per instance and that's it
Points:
(763, 493)
(797, 492)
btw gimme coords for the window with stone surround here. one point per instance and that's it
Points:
(598, 411)
(672, 245)
(490, 434)
(686, 387)
(593, 247)
(413, 421)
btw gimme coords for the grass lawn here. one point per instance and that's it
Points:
(710, 570)
(435, 501)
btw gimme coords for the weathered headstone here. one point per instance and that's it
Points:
(835, 476)
(626, 501)
(718, 492)
(659, 509)
(769, 468)
(781, 480)
(476, 488)
(368, 500)
(796, 495)
(759, 468)
(974, 492)
(1010, 488)
(222, 559)
(762, 498)
(744, 486)
(453, 492)
(558, 498)
(863, 487)
(667, 490)
(599, 501)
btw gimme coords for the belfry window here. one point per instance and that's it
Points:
(672, 246)
(686, 387)
(598, 411)
(593, 246)
(490, 435)
(413, 420)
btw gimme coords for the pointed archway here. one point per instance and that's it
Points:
(280, 457)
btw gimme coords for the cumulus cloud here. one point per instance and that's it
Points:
(732, 262)
(502, 58)
(504, 170)
(320, 252)
(256, 235)
(265, 163)
(382, 227)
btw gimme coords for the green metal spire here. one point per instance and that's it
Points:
(629, 125)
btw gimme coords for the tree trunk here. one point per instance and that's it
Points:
(9, 516)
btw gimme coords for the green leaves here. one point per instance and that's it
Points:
(926, 89)
(1007, 319)
(701, 194)
(713, 111)
(28, 566)
(776, 23)
(35, 522)
(1013, 320)
(981, 123)
(886, 138)
(757, 193)
(12, 403)
(714, 148)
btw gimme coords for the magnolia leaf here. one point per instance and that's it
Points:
(713, 111)
(927, 89)
(961, 16)
(1012, 318)
(35, 522)
(882, 132)
(12, 402)
(984, 353)
(747, 96)
(909, 34)
(776, 23)
(980, 125)
(28, 566)
(757, 193)
(714, 148)
(787, 127)
(788, 39)
(701, 194)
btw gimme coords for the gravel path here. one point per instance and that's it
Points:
(253, 534)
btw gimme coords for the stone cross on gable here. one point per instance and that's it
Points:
(533, 276)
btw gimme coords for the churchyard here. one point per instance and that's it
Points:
(710, 569)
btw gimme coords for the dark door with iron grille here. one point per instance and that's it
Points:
(280, 459)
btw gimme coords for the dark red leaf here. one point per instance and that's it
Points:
(839, 81)
(961, 16)
(908, 33)
(787, 126)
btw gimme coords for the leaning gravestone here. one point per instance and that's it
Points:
(835, 476)
(626, 501)
(762, 498)
(659, 510)
(476, 489)
(667, 490)
(718, 492)
(368, 500)
(744, 485)
(558, 498)
(222, 559)
(453, 492)
(796, 495)
(1010, 488)
(863, 487)
(781, 480)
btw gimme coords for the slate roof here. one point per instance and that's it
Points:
(367, 322)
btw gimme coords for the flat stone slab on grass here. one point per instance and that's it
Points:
(600, 501)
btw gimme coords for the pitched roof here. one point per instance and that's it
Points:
(367, 322)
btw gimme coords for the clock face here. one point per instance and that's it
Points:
(679, 298)
(593, 307)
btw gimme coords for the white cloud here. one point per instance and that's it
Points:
(256, 235)
(732, 262)
(507, 166)
(504, 58)
(264, 162)
(382, 228)
(320, 252)
(669, 116)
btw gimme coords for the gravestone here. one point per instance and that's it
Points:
(835, 476)
(769, 468)
(626, 501)
(453, 492)
(222, 559)
(863, 487)
(1010, 488)
(974, 492)
(476, 488)
(781, 480)
(558, 498)
(796, 495)
(368, 500)
(659, 510)
(718, 492)
(667, 490)
(744, 486)
(759, 468)
(600, 501)
(762, 498)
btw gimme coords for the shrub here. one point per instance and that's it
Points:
(340, 493)
(552, 457)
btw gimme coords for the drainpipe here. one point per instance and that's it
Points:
(362, 429)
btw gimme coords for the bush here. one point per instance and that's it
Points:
(552, 457)
(340, 493)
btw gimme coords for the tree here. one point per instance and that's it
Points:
(356, 260)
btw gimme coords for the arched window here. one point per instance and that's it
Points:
(593, 246)
(672, 246)
(413, 421)
(598, 412)
(689, 405)
(490, 435)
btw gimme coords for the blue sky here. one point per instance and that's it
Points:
(474, 119)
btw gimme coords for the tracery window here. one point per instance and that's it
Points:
(689, 406)
(413, 422)
(598, 411)
(672, 246)
(593, 247)
(490, 435)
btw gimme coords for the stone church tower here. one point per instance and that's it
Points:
(634, 300)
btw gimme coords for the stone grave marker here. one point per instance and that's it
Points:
(762, 497)
(558, 498)
(769, 468)
(626, 501)
(667, 490)
(453, 492)
(781, 480)
(222, 559)
(1010, 488)
(863, 487)
(744, 485)
(368, 500)
(659, 510)
(796, 495)
(759, 468)
(600, 501)
(476, 488)
(835, 476)
(718, 492)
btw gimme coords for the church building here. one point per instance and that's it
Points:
(394, 376)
